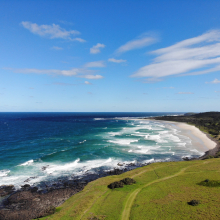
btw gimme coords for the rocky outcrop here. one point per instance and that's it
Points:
(6, 190)
(29, 204)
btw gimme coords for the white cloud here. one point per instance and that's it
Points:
(56, 48)
(215, 81)
(88, 83)
(142, 41)
(152, 80)
(95, 64)
(77, 72)
(51, 31)
(198, 55)
(91, 76)
(217, 91)
(96, 49)
(116, 61)
(78, 39)
(71, 72)
(185, 93)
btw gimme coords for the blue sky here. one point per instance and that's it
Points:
(109, 56)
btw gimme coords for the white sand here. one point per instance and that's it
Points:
(199, 139)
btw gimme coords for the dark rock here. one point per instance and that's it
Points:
(50, 210)
(27, 180)
(6, 190)
(207, 180)
(120, 164)
(26, 205)
(44, 167)
(186, 158)
(34, 189)
(115, 172)
(25, 187)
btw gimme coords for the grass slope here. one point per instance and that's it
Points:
(161, 192)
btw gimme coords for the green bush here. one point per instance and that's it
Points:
(210, 183)
(121, 183)
(194, 202)
(117, 184)
(128, 181)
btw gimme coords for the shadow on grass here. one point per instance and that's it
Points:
(210, 183)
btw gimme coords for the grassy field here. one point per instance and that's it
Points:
(162, 191)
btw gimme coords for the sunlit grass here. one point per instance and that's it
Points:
(164, 190)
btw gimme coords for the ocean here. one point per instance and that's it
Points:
(44, 147)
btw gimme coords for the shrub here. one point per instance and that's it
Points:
(128, 181)
(210, 183)
(117, 184)
(194, 202)
(121, 183)
(213, 132)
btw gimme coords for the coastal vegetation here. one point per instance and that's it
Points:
(171, 190)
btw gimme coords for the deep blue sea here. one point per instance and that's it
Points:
(47, 146)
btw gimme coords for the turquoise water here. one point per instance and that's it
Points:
(47, 146)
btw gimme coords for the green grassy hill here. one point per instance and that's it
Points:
(162, 191)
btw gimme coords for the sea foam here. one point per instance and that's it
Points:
(29, 162)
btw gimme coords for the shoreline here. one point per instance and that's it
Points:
(56, 196)
(200, 138)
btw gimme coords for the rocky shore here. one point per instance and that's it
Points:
(32, 202)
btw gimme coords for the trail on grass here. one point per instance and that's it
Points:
(131, 198)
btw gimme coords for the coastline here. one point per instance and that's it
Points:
(202, 141)
(56, 196)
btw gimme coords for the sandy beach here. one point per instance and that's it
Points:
(199, 139)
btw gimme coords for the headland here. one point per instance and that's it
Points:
(27, 202)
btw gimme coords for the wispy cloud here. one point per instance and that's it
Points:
(51, 31)
(140, 42)
(217, 91)
(91, 76)
(116, 61)
(95, 64)
(198, 55)
(183, 93)
(151, 80)
(96, 48)
(88, 83)
(168, 87)
(56, 48)
(77, 72)
(215, 81)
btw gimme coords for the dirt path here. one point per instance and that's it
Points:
(130, 200)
